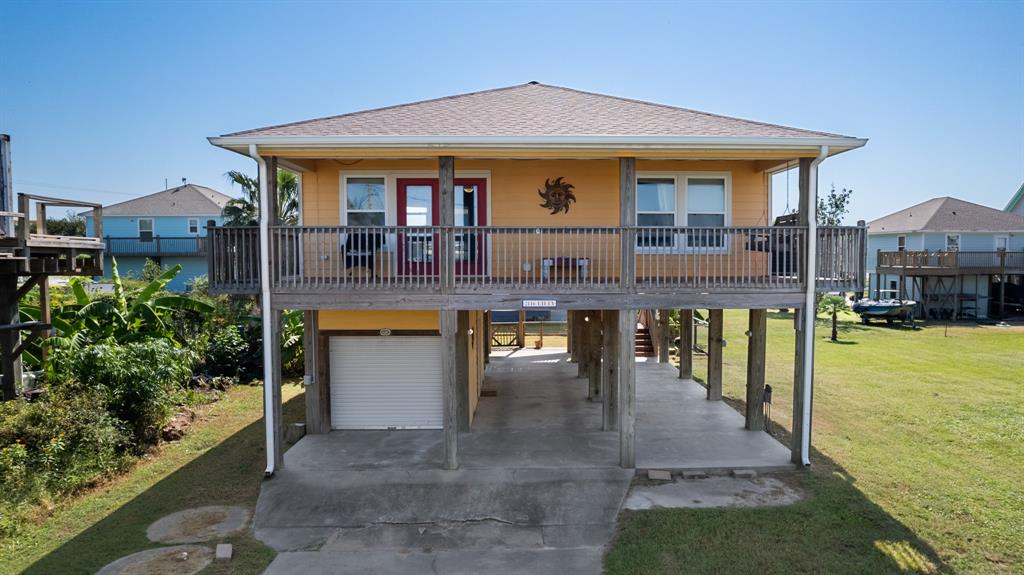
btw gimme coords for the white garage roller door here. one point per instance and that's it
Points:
(386, 382)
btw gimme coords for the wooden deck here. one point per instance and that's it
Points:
(610, 267)
(950, 263)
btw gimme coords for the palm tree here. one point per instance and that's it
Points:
(833, 304)
(245, 211)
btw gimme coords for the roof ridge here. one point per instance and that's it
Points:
(691, 110)
(173, 189)
(379, 109)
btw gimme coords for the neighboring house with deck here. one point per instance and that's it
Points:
(168, 227)
(950, 255)
(418, 219)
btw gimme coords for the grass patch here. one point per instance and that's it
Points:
(920, 441)
(220, 461)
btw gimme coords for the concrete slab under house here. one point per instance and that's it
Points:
(418, 220)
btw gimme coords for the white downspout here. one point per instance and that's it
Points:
(810, 311)
(270, 424)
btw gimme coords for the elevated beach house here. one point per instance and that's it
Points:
(168, 227)
(417, 219)
(952, 256)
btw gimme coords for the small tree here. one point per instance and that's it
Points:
(832, 304)
(834, 207)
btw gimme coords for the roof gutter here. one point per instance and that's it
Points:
(549, 142)
(270, 424)
(810, 310)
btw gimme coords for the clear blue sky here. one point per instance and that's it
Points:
(107, 100)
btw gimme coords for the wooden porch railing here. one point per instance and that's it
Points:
(501, 259)
(952, 262)
(156, 246)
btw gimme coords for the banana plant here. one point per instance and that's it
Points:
(125, 317)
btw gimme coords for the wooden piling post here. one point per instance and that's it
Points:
(449, 391)
(664, 336)
(627, 388)
(757, 326)
(685, 344)
(521, 329)
(609, 369)
(594, 355)
(714, 382)
(317, 383)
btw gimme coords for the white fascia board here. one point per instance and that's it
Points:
(542, 142)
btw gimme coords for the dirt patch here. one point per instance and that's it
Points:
(178, 426)
(199, 524)
(177, 560)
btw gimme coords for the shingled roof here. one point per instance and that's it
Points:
(947, 215)
(535, 111)
(184, 200)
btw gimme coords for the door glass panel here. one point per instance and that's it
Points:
(465, 205)
(466, 197)
(419, 211)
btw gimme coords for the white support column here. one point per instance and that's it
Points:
(810, 311)
(273, 446)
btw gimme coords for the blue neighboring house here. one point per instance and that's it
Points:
(954, 257)
(168, 227)
(1016, 204)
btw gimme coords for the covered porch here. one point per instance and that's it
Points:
(537, 468)
(535, 414)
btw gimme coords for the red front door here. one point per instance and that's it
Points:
(418, 209)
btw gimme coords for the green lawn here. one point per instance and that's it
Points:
(921, 450)
(219, 462)
(919, 462)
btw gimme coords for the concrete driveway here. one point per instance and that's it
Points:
(538, 490)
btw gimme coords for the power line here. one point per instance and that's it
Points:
(71, 187)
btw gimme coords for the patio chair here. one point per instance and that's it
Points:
(361, 247)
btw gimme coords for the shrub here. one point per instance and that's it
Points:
(53, 446)
(227, 352)
(140, 382)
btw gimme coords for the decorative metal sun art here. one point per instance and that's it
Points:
(557, 195)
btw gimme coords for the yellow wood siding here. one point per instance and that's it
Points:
(514, 185)
(379, 319)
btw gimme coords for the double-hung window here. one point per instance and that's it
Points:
(655, 207)
(952, 242)
(364, 201)
(901, 243)
(705, 208)
(193, 225)
(145, 229)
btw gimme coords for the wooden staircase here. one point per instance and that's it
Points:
(644, 344)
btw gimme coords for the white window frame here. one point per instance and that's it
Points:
(344, 196)
(152, 227)
(726, 177)
(675, 213)
(189, 223)
(902, 248)
(995, 242)
(682, 209)
(958, 238)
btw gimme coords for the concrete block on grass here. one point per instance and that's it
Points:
(659, 475)
(224, 552)
(295, 432)
(744, 473)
